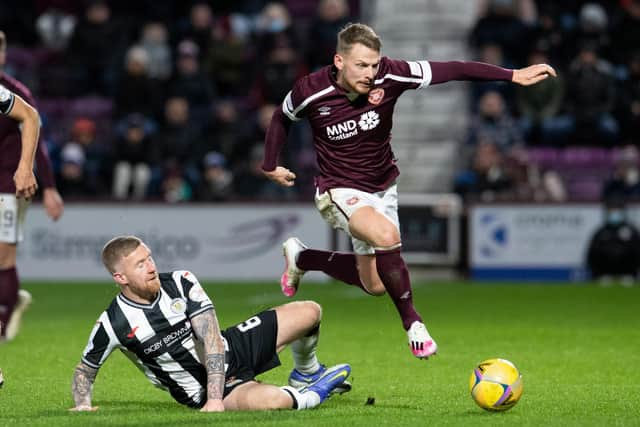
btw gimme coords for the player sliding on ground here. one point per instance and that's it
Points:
(350, 107)
(167, 325)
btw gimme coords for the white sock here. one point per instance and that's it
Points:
(304, 353)
(305, 400)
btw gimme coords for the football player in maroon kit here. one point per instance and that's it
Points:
(18, 145)
(350, 106)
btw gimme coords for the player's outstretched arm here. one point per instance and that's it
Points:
(24, 179)
(207, 330)
(83, 379)
(532, 74)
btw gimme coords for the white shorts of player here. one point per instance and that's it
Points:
(12, 215)
(338, 204)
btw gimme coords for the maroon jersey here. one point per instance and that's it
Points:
(352, 138)
(11, 142)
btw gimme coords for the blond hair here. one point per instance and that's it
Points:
(353, 34)
(118, 248)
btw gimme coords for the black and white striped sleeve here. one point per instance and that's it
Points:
(197, 299)
(7, 98)
(102, 342)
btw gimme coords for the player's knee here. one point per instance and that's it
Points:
(7, 256)
(388, 237)
(313, 311)
(278, 399)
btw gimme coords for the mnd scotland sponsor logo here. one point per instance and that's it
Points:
(349, 128)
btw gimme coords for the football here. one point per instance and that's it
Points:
(496, 385)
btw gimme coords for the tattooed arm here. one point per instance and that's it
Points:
(205, 326)
(83, 378)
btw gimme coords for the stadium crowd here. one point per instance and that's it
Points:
(168, 100)
(574, 137)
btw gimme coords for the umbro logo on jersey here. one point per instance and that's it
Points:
(324, 111)
(133, 332)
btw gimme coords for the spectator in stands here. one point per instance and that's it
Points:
(133, 160)
(551, 35)
(493, 122)
(136, 92)
(593, 28)
(492, 54)
(155, 41)
(250, 183)
(591, 94)
(178, 142)
(281, 69)
(486, 179)
(501, 25)
(629, 105)
(614, 248)
(71, 179)
(55, 27)
(627, 32)
(539, 106)
(190, 82)
(96, 156)
(274, 28)
(624, 184)
(217, 180)
(175, 188)
(230, 57)
(95, 49)
(198, 26)
(225, 130)
(529, 183)
(331, 17)
(257, 131)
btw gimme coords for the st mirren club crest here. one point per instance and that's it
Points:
(376, 96)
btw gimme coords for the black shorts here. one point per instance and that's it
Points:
(252, 349)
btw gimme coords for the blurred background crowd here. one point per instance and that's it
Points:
(574, 137)
(166, 100)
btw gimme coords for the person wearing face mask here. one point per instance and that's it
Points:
(625, 182)
(614, 248)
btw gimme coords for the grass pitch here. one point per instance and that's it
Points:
(577, 346)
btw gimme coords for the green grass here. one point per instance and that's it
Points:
(577, 346)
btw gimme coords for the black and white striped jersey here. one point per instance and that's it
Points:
(157, 337)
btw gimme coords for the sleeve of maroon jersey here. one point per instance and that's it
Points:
(410, 74)
(293, 104)
(6, 100)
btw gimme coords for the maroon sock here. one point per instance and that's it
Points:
(395, 276)
(339, 265)
(8, 295)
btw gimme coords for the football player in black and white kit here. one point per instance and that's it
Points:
(166, 324)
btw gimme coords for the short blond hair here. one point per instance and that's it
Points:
(357, 33)
(118, 248)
